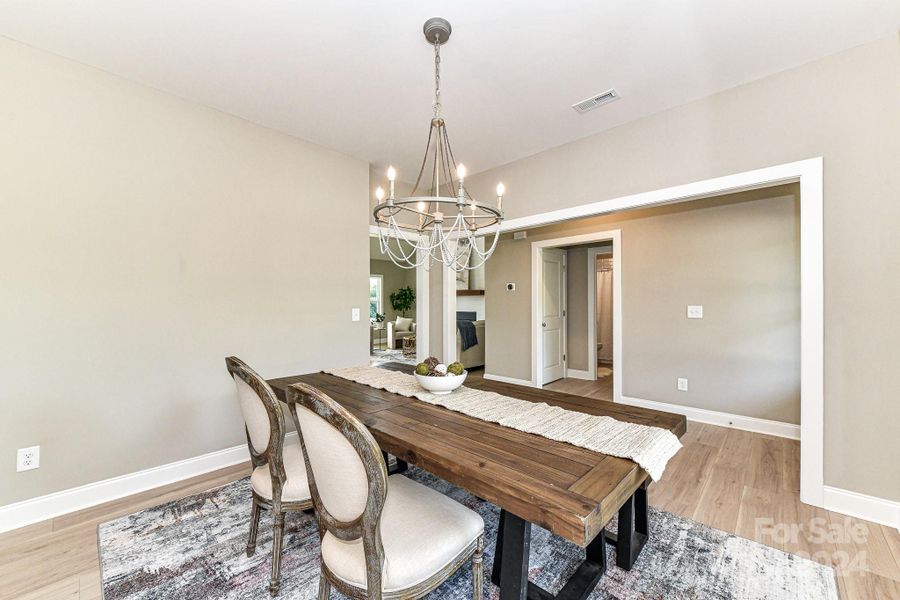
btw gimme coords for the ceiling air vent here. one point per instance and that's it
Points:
(595, 101)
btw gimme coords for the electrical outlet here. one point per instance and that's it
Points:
(695, 311)
(682, 384)
(28, 458)
(354, 314)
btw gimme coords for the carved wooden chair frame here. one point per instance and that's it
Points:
(366, 526)
(273, 455)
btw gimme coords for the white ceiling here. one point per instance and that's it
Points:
(357, 76)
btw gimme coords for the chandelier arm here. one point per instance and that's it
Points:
(449, 163)
(453, 160)
(424, 161)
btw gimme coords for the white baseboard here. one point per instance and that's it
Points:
(26, 512)
(870, 508)
(702, 415)
(505, 379)
(579, 374)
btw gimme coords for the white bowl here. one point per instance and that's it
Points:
(441, 385)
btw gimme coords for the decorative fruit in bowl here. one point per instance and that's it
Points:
(438, 378)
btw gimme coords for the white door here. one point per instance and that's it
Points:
(553, 313)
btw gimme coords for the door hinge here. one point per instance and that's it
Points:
(564, 358)
(564, 313)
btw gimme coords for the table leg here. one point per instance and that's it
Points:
(510, 570)
(633, 529)
(516, 536)
(401, 467)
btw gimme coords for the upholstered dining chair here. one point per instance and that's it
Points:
(278, 478)
(381, 537)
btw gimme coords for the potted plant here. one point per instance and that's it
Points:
(402, 300)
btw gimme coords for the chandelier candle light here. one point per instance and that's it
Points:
(444, 223)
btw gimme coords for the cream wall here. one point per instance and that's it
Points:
(143, 239)
(738, 256)
(843, 108)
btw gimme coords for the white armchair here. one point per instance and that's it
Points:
(399, 329)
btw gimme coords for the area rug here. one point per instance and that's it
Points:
(603, 372)
(380, 357)
(194, 548)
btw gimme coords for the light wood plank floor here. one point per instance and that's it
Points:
(740, 482)
(601, 389)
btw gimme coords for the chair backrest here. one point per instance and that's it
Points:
(263, 420)
(346, 472)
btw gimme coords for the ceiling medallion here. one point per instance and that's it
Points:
(443, 223)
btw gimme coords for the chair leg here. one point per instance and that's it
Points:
(478, 570)
(277, 541)
(324, 588)
(254, 527)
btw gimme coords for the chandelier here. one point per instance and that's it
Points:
(443, 223)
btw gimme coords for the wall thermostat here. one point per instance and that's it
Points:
(510, 287)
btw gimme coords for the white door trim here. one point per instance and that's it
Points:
(422, 312)
(616, 237)
(537, 355)
(449, 312)
(809, 174)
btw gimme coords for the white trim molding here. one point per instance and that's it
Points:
(870, 508)
(714, 417)
(448, 307)
(505, 379)
(537, 351)
(26, 512)
(809, 173)
(423, 309)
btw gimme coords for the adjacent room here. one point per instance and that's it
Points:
(392, 309)
(628, 327)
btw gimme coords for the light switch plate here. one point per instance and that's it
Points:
(682, 384)
(354, 314)
(695, 311)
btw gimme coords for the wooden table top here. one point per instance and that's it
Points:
(568, 490)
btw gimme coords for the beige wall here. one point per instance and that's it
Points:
(143, 239)
(843, 108)
(738, 256)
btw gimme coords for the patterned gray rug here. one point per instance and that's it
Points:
(380, 357)
(194, 548)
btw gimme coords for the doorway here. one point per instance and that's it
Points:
(581, 253)
(398, 310)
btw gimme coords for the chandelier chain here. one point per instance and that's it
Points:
(437, 78)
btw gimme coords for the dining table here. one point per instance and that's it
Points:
(571, 491)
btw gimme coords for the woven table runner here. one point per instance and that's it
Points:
(650, 447)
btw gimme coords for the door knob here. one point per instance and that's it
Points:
(543, 324)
